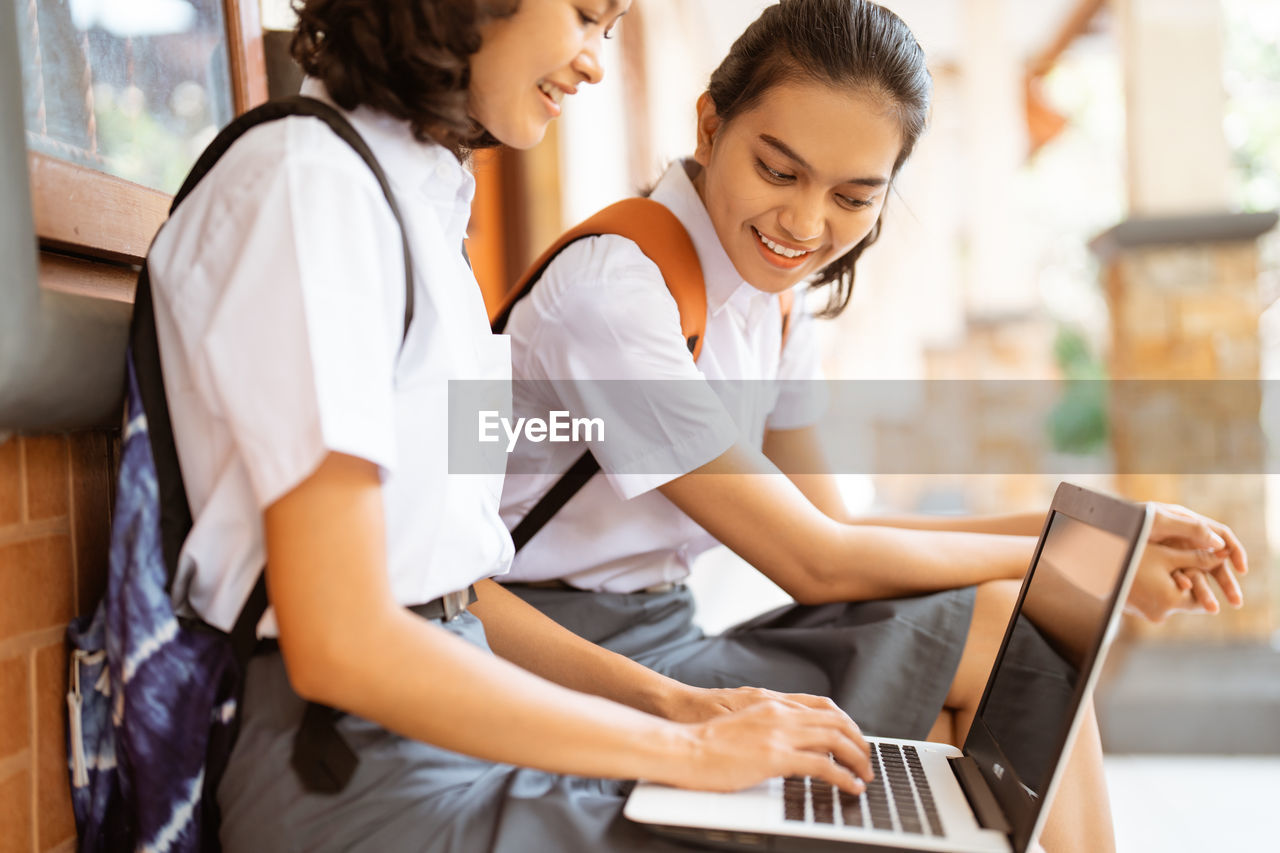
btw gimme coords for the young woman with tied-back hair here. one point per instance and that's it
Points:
(800, 135)
(311, 439)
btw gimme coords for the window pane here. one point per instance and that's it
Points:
(133, 88)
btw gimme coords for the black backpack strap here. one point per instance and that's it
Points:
(144, 349)
(175, 511)
(243, 638)
(244, 635)
(660, 236)
(579, 473)
(301, 105)
(554, 500)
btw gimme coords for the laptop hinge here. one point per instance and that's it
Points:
(981, 800)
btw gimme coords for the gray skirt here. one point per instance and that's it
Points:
(406, 795)
(889, 663)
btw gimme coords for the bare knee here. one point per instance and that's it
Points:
(993, 605)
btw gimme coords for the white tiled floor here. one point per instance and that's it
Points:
(1195, 804)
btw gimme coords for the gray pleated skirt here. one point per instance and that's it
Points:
(406, 795)
(889, 664)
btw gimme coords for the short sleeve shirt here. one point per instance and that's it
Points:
(279, 292)
(602, 326)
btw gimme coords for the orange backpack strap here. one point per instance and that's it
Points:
(662, 239)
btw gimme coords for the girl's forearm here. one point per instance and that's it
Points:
(887, 562)
(768, 521)
(347, 643)
(533, 641)
(1012, 524)
(860, 563)
(416, 679)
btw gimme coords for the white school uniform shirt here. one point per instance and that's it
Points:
(603, 312)
(279, 300)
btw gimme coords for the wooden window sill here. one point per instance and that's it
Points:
(88, 212)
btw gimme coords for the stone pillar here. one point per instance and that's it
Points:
(1185, 306)
(1181, 280)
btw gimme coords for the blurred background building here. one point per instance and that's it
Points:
(1094, 199)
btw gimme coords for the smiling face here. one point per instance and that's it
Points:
(529, 62)
(798, 180)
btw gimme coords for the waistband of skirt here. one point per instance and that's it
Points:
(556, 583)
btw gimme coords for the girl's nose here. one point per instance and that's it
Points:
(587, 62)
(802, 222)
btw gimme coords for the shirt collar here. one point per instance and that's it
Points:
(676, 192)
(424, 167)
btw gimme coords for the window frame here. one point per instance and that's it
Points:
(82, 211)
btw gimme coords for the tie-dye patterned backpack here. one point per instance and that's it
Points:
(153, 693)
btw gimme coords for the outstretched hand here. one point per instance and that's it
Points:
(1184, 550)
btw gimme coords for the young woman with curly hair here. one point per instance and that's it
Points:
(311, 438)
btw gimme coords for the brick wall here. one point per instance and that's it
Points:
(55, 493)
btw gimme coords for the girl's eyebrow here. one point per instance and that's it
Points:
(786, 151)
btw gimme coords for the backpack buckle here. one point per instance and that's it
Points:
(455, 604)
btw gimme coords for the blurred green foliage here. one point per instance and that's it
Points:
(141, 149)
(1078, 424)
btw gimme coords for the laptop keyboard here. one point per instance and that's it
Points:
(897, 800)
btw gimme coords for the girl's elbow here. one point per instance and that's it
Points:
(813, 584)
(305, 674)
(809, 585)
(317, 670)
(808, 596)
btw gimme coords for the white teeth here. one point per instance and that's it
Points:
(781, 250)
(555, 93)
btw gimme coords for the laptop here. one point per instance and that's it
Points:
(993, 794)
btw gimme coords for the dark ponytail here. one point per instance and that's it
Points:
(847, 44)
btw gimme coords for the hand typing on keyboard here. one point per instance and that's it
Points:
(776, 736)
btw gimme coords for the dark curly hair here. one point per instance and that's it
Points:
(849, 44)
(408, 58)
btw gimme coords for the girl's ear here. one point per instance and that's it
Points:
(708, 126)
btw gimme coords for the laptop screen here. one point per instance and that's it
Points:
(1038, 679)
(1061, 623)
